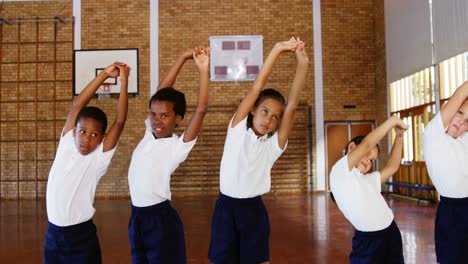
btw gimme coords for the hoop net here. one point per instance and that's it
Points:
(104, 91)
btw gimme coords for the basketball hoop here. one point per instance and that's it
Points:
(104, 91)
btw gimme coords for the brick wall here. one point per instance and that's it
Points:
(380, 72)
(354, 62)
(122, 24)
(35, 93)
(350, 73)
(348, 60)
(186, 24)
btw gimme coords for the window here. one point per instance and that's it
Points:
(412, 91)
(453, 72)
(412, 98)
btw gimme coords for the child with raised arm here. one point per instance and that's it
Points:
(357, 193)
(83, 155)
(445, 146)
(155, 230)
(257, 136)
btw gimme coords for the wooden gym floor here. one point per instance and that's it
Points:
(304, 229)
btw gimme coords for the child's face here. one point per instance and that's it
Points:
(163, 118)
(88, 135)
(459, 123)
(266, 116)
(367, 162)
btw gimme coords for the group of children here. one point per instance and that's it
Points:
(256, 137)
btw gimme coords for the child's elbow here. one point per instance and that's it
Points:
(120, 124)
(367, 145)
(75, 102)
(290, 109)
(202, 109)
(394, 168)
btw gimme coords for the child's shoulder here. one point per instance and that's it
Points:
(242, 122)
(67, 134)
(239, 128)
(66, 140)
(435, 125)
(340, 168)
(342, 163)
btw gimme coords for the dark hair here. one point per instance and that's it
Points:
(267, 93)
(94, 113)
(357, 140)
(171, 95)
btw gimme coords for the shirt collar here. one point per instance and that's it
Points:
(356, 171)
(254, 137)
(174, 136)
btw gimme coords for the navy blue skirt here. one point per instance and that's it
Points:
(451, 230)
(156, 235)
(72, 244)
(383, 246)
(240, 231)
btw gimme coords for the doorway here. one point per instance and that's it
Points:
(337, 135)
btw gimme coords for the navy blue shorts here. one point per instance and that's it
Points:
(156, 234)
(383, 246)
(72, 244)
(240, 231)
(451, 230)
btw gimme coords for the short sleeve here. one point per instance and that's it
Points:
(275, 148)
(236, 134)
(148, 126)
(183, 148)
(338, 175)
(242, 126)
(65, 140)
(104, 159)
(432, 133)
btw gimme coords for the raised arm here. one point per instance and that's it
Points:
(201, 58)
(449, 110)
(85, 96)
(115, 130)
(171, 75)
(371, 140)
(287, 119)
(249, 100)
(394, 160)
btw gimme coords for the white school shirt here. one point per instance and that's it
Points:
(358, 197)
(446, 159)
(153, 162)
(72, 182)
(247, 161)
